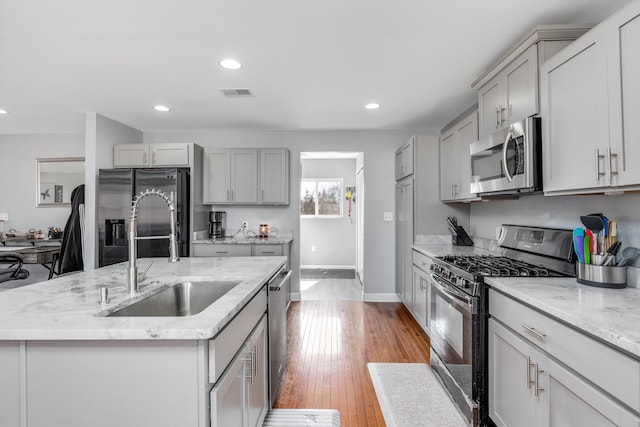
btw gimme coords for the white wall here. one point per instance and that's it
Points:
(378, 148)
(559, 212)
(334, 239)
(18, 154)
(101, 135)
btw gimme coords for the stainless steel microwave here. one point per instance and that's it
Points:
(508, 161)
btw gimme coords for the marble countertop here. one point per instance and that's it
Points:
(449, 249)
(66, 308)
(609, 315)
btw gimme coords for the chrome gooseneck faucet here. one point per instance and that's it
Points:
(133, 236)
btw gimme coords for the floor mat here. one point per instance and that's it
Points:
(410, 395)
(302, 417)
(327, 273)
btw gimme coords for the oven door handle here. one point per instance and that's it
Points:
(451, 292)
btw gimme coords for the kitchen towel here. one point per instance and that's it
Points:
(410, 395)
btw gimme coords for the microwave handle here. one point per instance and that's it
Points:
(504, 157)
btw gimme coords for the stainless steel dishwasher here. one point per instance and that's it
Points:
(277, 291)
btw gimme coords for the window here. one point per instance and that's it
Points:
(321, 198)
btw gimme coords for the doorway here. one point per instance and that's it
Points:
(331, 238)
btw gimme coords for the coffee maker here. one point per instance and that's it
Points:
(217, 224)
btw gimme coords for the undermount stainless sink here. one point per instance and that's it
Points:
(182, 299)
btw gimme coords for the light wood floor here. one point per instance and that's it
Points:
(329, 346)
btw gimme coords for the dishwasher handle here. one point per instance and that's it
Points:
(278, 279)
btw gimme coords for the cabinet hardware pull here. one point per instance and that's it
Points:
(534, 332)
(222, 252)
(228, 196)
(497, 117)
(244, 373)
(529, 365)
(502, 119)
(598, 173)
(262, 195)
(536, 387)
(153, 158)
(144, 158)
(268, 252)
(609, 156)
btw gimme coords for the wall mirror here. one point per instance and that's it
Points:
(56, 179)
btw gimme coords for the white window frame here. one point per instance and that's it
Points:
(341, 196)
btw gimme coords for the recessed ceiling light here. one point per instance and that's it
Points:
(230, 64)
(372, 106)
(162, 108)
(4, 112)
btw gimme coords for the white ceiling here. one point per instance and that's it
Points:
(310, 64)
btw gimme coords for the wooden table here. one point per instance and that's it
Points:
(36, 254)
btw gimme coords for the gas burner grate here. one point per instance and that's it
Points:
(498, 266)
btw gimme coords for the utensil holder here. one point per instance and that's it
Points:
(601, 276)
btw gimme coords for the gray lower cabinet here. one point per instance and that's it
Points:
(544, 373)
(421, 289)
(221, 250)
(240, 397)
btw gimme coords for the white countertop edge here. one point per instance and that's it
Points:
(609, 315)
(66, 309)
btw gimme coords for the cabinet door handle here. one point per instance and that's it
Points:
(497, 117)
(144, 158)
(153, 158)
(609, 156)
(262, 195)
(502, 119)
(529, 366)
(222, 252)
(534, 332)
(536, 386)
(598, 173)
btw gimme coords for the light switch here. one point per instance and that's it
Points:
(388, 216)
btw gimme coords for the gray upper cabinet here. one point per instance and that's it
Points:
(592, 141)
(455, 159)
(246, 176)
(404, 160)
(508, 92)
(151, 155)
(511, 95)
(274, 176)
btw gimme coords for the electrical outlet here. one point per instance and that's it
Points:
(245, 225)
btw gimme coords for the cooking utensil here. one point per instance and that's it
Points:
(592, 243)
(628, 255)
(587, 248)
(578, 243)
(594, 223)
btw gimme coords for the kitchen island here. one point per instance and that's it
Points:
(63, 361)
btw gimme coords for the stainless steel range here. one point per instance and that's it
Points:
(459, 306)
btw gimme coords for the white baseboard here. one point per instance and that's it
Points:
(295, 296)
(330, 267)
(368, 297)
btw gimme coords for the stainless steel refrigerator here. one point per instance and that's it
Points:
(116, 189)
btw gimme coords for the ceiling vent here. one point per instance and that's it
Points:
(236, 93)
